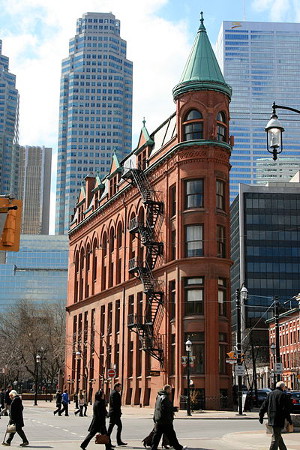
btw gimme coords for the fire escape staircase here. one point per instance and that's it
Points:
(147, 326)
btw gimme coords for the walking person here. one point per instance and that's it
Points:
(65, 403)
(277, 405)
(85, 405)
(2, 397)
(81, 403)
(98, 422)
(58, 399)
(7, 401)
(16, 417)
(163, 418)
(115, 412)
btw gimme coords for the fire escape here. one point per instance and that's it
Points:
(147, 325)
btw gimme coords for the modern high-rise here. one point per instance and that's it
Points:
(9, 122)
(261, 62)
(95, 117)
(34, 188)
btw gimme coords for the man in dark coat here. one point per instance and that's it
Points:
(98, 423)
(163, 418)
(7, 401)
(58, 399)
(277, 405)
(16, 417)
(115, 412)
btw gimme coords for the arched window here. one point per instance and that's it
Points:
(81, 274)
(76, 264)
(193, 125)
(111, 240)
(87, 268)
(221, 127)
(119, 235)
(94, 268)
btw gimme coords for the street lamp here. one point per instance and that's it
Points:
(273, 350)
(37, 361)
(241, 294)
(274, 131)
(188, 348)
(78, 358)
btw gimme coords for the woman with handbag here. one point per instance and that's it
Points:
(16, 417)
(98, 422)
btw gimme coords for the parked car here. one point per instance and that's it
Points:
(261, 396)
(295, 401)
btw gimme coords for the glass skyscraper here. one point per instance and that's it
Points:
(38, 272)
(9, 122)
(95, 117)
(34, 188)
(261, 62)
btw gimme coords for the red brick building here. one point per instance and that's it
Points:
(289, 344)
(149, 253)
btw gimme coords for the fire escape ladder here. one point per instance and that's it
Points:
(148, 326)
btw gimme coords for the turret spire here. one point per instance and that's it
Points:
(202, 71)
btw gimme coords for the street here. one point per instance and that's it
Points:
(200, 432)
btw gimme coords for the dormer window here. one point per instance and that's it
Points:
(113, 186)
(193, 126)
(221, 127)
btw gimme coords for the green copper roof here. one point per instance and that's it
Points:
(202, 71)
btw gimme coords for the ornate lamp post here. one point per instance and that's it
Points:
(37, 361)
(274, 131)
(273, 350)
(241, 294)
(188, 348)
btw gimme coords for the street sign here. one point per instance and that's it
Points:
(239, 370)
(154, 373)
(278, 368)
(231, 361)
(111, 373)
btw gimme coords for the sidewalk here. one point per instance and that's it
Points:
(146, 412)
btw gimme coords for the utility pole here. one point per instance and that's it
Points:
(277, 345)
(239, 348)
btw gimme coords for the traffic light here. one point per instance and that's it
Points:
(10, 224)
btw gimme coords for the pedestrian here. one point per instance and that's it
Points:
(163, 418)
(65, 403)
(277, 406)
(75, 399)
(16, 417)
(85, 405)
(81, 405)
(58, 399)
(2, 397)
(98, 422)
(7, 401)
(115, 412)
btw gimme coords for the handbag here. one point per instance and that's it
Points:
(289, 428)
(11, 428)
(102, 439)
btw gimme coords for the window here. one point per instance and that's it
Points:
(193, 240)
(197, 340)
(193, 126)
(222, 296)
(173, 355)
(117, 317)
(193, 194)
(173, 245)
(220, 192)
(222, 353)
(173, 200)
(193, 296)
(221, 247)
(221, 127)
(172, 299)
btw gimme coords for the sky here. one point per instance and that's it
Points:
(159, 34)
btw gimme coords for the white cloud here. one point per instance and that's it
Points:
(279, 10)
(36, 40)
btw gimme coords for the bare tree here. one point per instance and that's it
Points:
(29, 330)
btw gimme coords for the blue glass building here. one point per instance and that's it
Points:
(95, 116)
(9, 122)
(38, 272)
(261, 62)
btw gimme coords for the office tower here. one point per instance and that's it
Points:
(95, 115)
(283, 169)
(34, 188)
(265, 247)
(261, 62)
(38, 272)
(9, 122)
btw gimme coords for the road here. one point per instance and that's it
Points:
(44, 430)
